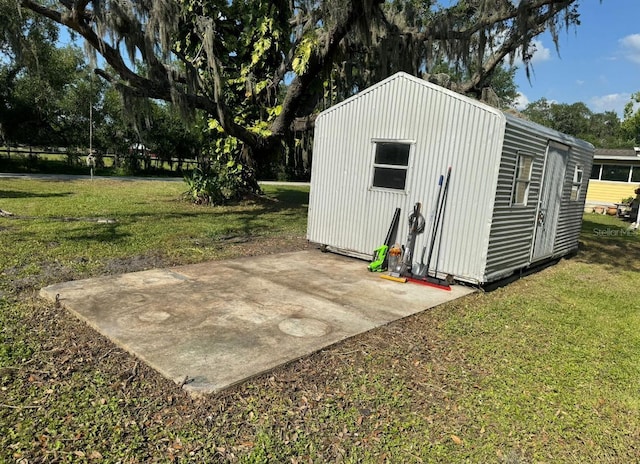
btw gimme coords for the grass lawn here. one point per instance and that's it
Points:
(546, 369)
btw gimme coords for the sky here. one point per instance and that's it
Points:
(599, 60)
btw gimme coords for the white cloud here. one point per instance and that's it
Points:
(521, 101)
(540, 53)
(612, 102)
(631, 47)
(580, 82)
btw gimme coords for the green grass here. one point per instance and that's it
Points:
(546, 369)
(79, 224)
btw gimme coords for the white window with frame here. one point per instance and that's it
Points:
(576, 186)
(522, 180)
(390, 164)
(616, 173)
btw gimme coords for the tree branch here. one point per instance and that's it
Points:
(509, 46)
(135, 84)
(110, 54)
(298, 94)
(442, 31)
(461, 33)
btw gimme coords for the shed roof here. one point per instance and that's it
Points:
(417, 81)
(506, 116)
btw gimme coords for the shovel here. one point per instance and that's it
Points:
(423, 276)
(422, 268)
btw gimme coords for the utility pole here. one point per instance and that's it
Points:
(91, 161)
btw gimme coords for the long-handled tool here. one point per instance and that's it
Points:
(441, 203)
(443, 208)
(423, 268)
(436, 223)
(416, 226)
(380, 256)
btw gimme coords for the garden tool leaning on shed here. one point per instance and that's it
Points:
(416, 226)
(380, 254)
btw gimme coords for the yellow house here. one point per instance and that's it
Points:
(614, 177)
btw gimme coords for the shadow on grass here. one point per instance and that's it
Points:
(285, 202)
(609, 242)
(288, 197)
(19, 194)
(96, 232)
(281, 211)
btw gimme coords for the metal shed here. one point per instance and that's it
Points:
(516, 194)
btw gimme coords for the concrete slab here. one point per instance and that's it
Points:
(219, 323)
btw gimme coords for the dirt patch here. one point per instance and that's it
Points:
(135, 263)
(22, 278)
(25, 278)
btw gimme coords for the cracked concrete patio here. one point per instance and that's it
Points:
(208, 326)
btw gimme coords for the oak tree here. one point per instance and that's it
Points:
(254, 66)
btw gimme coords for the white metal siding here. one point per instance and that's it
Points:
(484, 237)
(513, 228)
(448, 130)
(570, 215)
(570, 221)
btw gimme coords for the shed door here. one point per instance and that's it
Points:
(550, 199)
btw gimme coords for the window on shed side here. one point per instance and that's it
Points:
(576, 186)
(390, 165)
(522, 180)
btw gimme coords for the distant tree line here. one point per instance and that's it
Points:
(603, 130)
(53, 101)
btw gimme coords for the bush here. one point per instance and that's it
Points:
(220, 181)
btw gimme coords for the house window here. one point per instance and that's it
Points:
(576, 186)
(522, 180)
(390, 164)
(615, 173)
